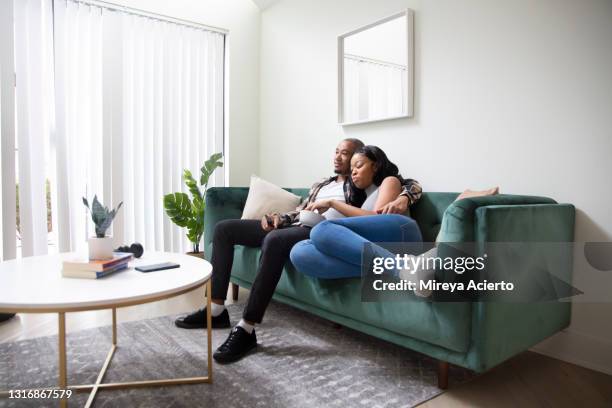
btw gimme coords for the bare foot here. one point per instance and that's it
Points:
(470, 193)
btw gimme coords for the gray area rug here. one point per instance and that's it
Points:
(301, 361)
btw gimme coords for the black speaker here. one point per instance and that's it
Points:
(135, 249)
(6, 316)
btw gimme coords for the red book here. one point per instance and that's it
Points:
(96, 266)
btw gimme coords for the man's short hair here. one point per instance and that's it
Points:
(356, 142)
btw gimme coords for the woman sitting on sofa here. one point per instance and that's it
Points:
(335, 246)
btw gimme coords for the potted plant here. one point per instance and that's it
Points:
(100, 246)
(189, 213)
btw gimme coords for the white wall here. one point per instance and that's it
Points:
(510, 93)
(242, 19)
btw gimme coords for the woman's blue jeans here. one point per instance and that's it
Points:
(335, 247)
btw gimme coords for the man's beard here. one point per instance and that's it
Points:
(340, 173)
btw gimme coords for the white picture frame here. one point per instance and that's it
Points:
(409, 95)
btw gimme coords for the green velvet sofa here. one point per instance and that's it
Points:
(476, 335)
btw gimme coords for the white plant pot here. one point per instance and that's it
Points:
(100, 248)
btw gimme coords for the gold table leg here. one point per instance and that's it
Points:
(63, 382)
(209, 327)
(109, 357)
(148, 383)
(114, 326)
(93, 388)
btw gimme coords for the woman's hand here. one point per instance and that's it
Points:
(270, 222)
(321, 206)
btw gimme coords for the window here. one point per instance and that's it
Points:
(114, 102)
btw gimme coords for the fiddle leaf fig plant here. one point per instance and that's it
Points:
(189, 212)
(101, 216)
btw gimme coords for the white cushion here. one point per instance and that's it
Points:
(265, 198)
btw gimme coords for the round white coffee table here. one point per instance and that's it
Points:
(35, 285)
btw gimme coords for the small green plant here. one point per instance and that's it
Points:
(189, 213)
(101, 216)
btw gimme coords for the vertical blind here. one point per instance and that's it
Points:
(373, 89)
(34, 108)
(113, 103)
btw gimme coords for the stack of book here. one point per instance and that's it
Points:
(86, 269)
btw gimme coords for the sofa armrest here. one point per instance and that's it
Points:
(500, 330)
(459, 221)
(463, 222)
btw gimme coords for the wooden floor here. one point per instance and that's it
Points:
(527, 380)
(530, 380)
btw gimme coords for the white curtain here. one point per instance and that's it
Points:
(34, 103)
(131, 102)
(351, 90)
(172, 92)
(77, 145)
(8, 219)
(373, 89)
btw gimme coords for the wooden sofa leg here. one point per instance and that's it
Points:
(235, 291)
(442, 375)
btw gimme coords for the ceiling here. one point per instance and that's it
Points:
(264, 4)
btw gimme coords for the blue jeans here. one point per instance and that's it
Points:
(335, 246)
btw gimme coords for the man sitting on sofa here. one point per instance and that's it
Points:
(276, 234)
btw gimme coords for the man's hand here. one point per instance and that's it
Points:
(397, 206)
(321, 206)
(270, 222)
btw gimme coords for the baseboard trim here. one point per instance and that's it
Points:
(580, 349)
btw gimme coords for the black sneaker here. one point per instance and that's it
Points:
(238, 343)
(197, 320)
